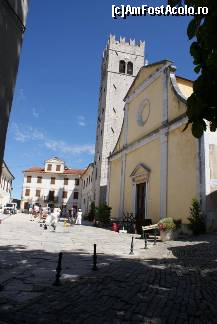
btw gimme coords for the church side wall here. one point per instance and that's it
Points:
(182, 173)
(185, 87)
(176, 106)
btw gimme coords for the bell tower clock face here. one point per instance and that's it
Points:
(143, 112)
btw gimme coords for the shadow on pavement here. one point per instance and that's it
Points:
(180, 288)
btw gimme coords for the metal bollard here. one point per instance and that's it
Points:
(131, 247)
(58, 270)
(94, 259)
(145, 237)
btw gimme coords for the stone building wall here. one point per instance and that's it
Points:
(12, 26)
(113, 88)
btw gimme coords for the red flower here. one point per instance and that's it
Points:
(162, 227)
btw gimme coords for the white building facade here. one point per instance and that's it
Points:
(120, 64)
(208, 177)
(54, 185)
(5, 185)
(87, 189)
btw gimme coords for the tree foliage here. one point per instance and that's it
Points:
(202, 29)
(103, 213)
(92, 212)
(196, 219)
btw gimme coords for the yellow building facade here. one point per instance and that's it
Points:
(156, 169)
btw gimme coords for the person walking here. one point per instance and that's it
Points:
(79, 217)
(53, 219)
(31, 213)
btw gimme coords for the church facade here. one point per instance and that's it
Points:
(156, 169)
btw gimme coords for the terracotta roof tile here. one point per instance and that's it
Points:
(34, 169)
(66, 171)
(73, 171)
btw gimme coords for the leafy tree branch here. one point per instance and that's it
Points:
(202, 30)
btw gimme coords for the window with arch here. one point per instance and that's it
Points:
(130, 68)
(122, 66)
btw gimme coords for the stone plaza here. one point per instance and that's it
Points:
(171, 282)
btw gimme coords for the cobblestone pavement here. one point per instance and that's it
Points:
(3, 216)
(173, 282)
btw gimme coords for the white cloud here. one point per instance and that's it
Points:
(32, 134)
(19, 135)
(61, 146)
(81, 121)
(35, 134)
(35, 113)
(21, 95)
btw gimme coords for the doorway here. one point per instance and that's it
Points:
(141, 189)
(51, 196)
(26, 205)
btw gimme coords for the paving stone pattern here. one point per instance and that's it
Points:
(172, 282)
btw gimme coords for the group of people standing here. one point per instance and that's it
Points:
(50, 217)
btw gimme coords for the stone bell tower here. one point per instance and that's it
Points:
(121, 62)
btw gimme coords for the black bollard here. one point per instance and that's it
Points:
(145, 236)
(58, 270)
(131, 247)
(94, 259)
(155, 238)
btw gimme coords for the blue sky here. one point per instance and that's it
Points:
(56, 96)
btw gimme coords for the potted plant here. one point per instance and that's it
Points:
(166, 227)
(196, 218)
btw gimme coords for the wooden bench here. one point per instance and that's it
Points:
(149, 227)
